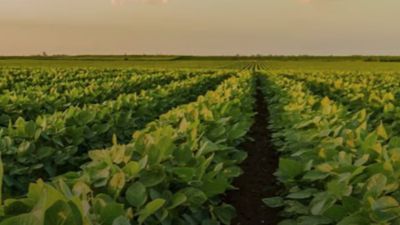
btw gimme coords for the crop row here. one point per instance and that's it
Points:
(55, 143)
(172, 172)
(337, 167)
(378, 94)
(37, 102)
(20, 78)
(63, 86)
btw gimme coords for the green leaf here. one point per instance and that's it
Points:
(289, 168)
(213, 187)
(384, 203)
(381, 131)
(303, 194)
(385, 209)
(85, 117)
(207, 146)
(338, 188)
(369, 141)
(274, 202)
(195, 196)
(23, 148)
(321, 202)
(184, 173)
(376, 184)
(238, 130)
(233, 171)
(131, 169)
(394, 142)
(152, 177)
(177, 200)
(121, 221)
(351, 204)
(324, 167)
(336, 212)
(162, 145)
(100, 201)
(354, 220)
(110, 212)
(20, 125)
(225, 213)
(151, 208)
(60, 213)
(361, 161)
(45, 152)
(136, 194)
(24, 219)
(30, 129)
(116, 183)
(315, 175)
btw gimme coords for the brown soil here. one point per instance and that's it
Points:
(258, 181)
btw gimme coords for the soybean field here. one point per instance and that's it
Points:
(229, 142)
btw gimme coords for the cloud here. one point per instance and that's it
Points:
(121, 2)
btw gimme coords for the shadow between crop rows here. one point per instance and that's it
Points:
(258, 181)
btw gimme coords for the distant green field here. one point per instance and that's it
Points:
(116, 64)
(175, 62)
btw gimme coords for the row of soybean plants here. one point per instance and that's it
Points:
(55, 143)
(338, 167)
(377, 93)
(172, 172)
(254, 66)
(47, 99)
(18, 78)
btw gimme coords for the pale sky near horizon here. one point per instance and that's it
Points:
(200, 27)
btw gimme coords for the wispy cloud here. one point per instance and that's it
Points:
(120, 2)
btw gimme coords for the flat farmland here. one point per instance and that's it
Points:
(172, 140)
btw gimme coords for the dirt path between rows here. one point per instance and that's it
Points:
(258, 181)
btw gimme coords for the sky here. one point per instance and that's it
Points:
(200, 27)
